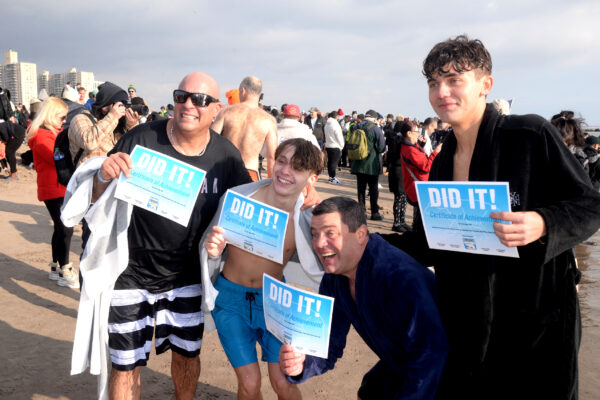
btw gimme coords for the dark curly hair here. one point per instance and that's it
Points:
(569, 128)
(461, 53)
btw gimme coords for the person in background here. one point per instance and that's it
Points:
(290, 126)
(416, 164)
(233, 96)
(429, 126)
(82, 92)
(249, 127)
(316, 123)
(572, 135)
(92, 99)
(368, 169)
(396, 177)
(11, 137)
(41, 136)
(334, 142)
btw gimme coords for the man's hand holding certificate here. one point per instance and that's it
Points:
(297, 317)
(161, 184)
(254, 226)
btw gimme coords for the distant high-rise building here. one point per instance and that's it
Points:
(86, 79)
(24, 83)
(11, 57)
(20, 78)
(56, 84)
(44, 81)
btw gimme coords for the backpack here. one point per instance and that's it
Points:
(64, 164)
(358, 145)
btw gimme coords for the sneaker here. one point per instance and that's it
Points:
(379, 186)
(334, 181)
(376, 217)
(53, 275)
(68, 278)
(398, 228)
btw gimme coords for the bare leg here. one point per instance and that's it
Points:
(185, 372)
(284, 389)
(125, 385)
(248, 377)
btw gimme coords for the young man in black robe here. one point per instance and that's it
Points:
(513, 324)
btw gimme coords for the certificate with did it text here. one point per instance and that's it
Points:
(456, 216)
(297, 317)
(254, 226)
(161, 184)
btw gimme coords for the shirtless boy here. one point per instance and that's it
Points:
(238, 311)
(248, 127)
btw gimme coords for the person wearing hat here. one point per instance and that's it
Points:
(368, 169)
(91, 100)
(132, 92)
(71, 97)
(316, 123)
(233, 96)
(290, 126)
(110, 121)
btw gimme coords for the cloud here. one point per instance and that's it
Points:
(341, 53)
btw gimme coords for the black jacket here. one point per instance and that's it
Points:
(319, 130)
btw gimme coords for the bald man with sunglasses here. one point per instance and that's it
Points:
(249, 127)
(161, 283)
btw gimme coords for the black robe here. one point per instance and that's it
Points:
(513, 325)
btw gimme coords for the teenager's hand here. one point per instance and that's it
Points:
(290, 361)
(311, 197)
(525, 227)
(215, 241)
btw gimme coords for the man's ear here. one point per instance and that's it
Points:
(362, 233)
(312, 179)
(217, 109)
(487, 84)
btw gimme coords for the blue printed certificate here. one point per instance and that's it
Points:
(254, 226)
(456, 216)
(297, 317)
(161, 184)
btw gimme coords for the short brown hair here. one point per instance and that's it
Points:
(461, 53)
(306, 155)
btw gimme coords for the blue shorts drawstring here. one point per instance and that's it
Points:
(250, 298)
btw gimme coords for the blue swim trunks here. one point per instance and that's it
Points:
(240, 322)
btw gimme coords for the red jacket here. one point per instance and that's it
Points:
(42, 146)
(415, 164)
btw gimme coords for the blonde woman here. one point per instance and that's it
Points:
(41, 136)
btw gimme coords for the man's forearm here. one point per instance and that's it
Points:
(98, 188)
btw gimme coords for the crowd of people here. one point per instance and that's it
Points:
(481, 327)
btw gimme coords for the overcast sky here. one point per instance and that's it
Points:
(332, 54)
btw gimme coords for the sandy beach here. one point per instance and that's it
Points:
(37, 317)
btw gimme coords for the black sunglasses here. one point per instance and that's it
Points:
(198, 99)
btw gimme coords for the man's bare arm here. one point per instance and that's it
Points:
(217, 124)
(271, 146)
